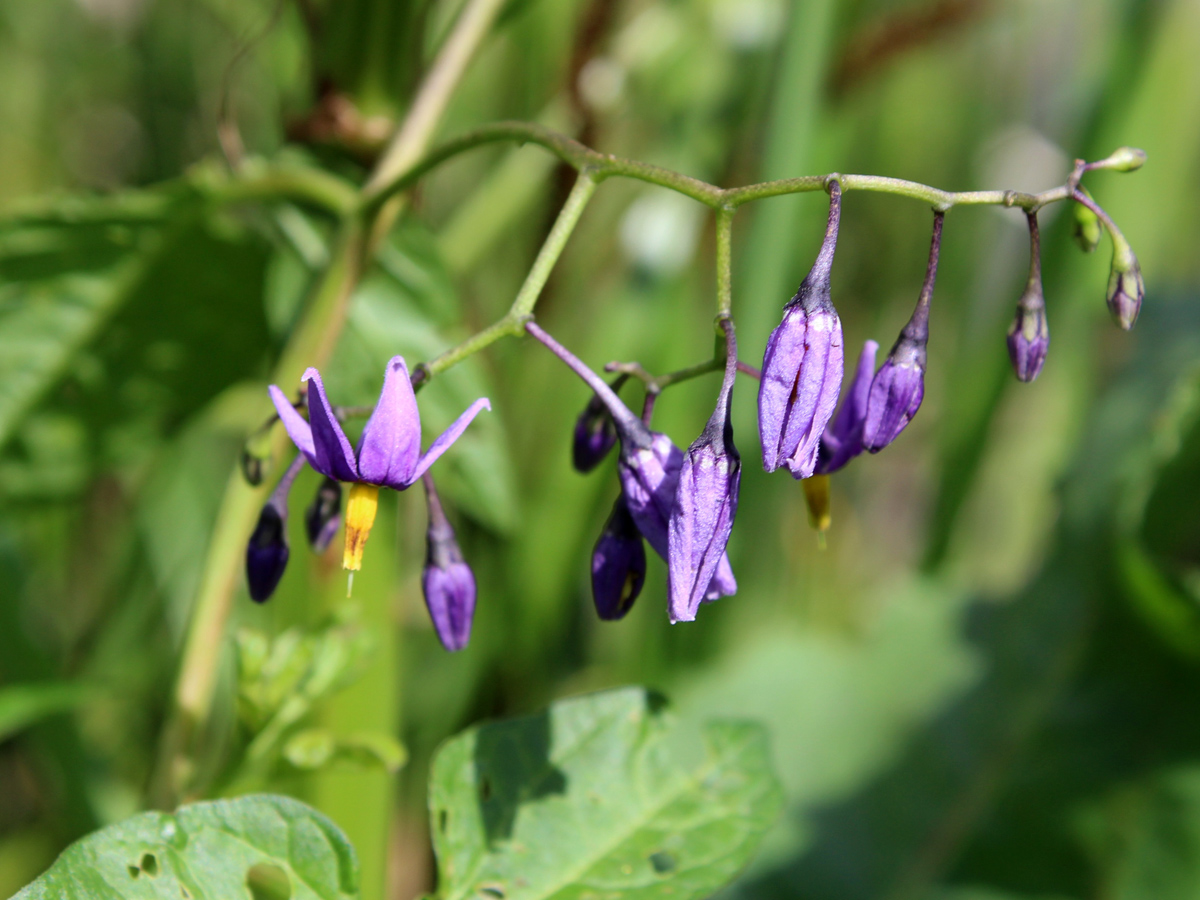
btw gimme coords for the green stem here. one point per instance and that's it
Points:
(724, 263)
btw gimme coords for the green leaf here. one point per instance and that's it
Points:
(23, 704)
(254, 846)
(601, 795)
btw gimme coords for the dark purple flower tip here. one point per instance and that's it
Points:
(1029, 337)
(896, 394)
(447, 581)
(705, 502)
(842, 440)
(450, 599)
(618, 564)
(323, 517)
(1126, 289)
(595, 432)
(802, 366)
(267, 553)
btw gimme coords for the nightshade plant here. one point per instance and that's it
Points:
(682, 504)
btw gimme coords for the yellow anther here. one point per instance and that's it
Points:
(816, 492)
(360, 516)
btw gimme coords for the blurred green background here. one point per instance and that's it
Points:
(985, 686)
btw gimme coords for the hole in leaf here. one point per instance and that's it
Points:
(662, 861)
(443, 821)
(134, 871)
(268, 882)
(150, 864)
(485, 788)
(492, 890)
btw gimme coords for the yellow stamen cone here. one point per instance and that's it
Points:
(360, 516)
(816, 493)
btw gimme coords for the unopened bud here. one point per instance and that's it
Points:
(447, 581)
(1123, 159)
(1126, 289)
(1029, 334)
(595, 432)
(618, 564)
(323, 517)
(267, 551)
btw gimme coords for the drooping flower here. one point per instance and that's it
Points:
(1029, 334)
(842, 440)
(388, 454)
(595, 432)
(803, 364)
(447, 581)
(267, 551)
(899, 386)
(705, 501)
(618, 564)
(648, 466)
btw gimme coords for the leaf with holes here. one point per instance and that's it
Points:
(604, 796)
(258, 846)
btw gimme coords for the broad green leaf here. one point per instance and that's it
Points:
(255, 846)
(599, 796)
(23, 704)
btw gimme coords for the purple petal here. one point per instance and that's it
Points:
(723, 583)
(297, 427)
(450, 599)
(896, 395)
(447, 437)
(332, 454)
(700, 524)
(842, 440)
(391, 441)
(649, 478)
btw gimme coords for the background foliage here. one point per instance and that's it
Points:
(983, 687)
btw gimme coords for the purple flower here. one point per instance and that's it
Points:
(323, 517)
(899, 385)
(802, 366)
(842, 440)
(267, 551)
(705, 502)
(388, 454)
(595, 432)
(1029, 334)
(447, 581)
(618, 564)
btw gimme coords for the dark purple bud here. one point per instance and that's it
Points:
(618, 564)
(447, 581)
(1029, 334)
(595, 432)
(323, 517)
(899, 385)
(267, 551)
(705, 502)
(802, 366)
(842, 440)
(1126, 289)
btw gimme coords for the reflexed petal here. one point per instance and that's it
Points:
(391, 441)
(649, 478)
(818, 384)
(332, 453)
(447, 437)
(842, 440)
(700, 524)
(297, 427)
(723, 583)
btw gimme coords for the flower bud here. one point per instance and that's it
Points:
(595, 432)
(802, 365)
(618, 564)
(705, 502)
(1126, 290)
(899, 386)
(323, 517)
(1123, 159)
(447, 581)
(1086, 228)
(1029, 334)
(267, 551)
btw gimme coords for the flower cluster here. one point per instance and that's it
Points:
(682, 503)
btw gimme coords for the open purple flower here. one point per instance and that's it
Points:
(388, 454)
(705, 502)
(899, 385)
(803, 364)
